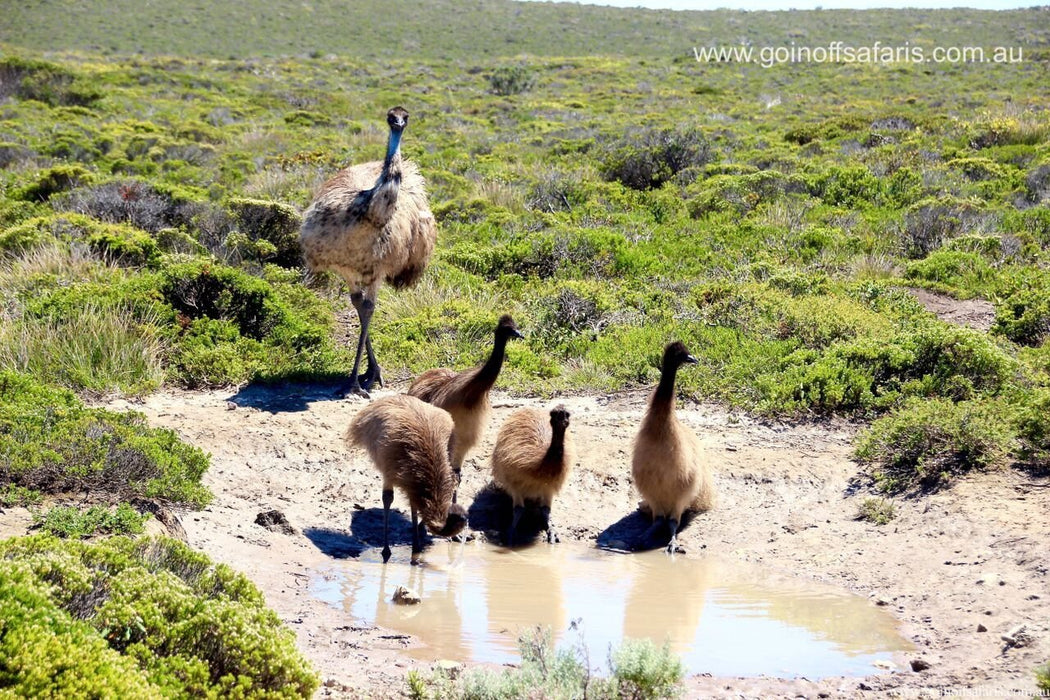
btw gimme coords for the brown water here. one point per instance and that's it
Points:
(721, 618)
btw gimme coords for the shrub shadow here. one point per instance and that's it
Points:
(492, 511)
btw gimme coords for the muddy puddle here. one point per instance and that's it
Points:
(722, 618)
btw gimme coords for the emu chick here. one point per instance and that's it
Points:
(532, 460)
(668, 464)
(409, 443)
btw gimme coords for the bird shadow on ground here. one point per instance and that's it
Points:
(289, 397)
(628, 533)
(366, 531)
(335, 543)
(492, 512)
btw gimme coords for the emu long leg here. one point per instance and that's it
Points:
(647, 536)
(417, 543)
(373, 376)
(388, 499)
(672, 525)
(552, 536)
(360, 384)
(518, 512)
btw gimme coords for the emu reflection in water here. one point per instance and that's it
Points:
(721, 617)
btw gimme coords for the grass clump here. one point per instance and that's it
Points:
(138, 618)
(638, 669)
(927, 443)
(99, 349)
(877, 511)
(51, 443)
(70, 522)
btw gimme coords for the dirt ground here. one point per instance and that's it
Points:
(958, 568)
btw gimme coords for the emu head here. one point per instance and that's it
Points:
(676, 354)
(559, 418)
(506, 328)
(397, 118)
(455, 521)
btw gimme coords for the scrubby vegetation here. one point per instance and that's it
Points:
(51, 443)
(137, 619)
(637, 669)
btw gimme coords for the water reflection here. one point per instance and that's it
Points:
(720, 617)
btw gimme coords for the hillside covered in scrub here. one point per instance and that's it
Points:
(588, 175)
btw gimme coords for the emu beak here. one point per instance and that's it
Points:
(691, 360)
(515, 333)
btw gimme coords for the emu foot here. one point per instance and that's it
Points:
(352, 387)
(371, 378)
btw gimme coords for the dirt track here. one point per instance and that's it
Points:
(971, 555)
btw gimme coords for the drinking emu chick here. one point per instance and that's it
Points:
(466, 394)
(532, 459)
(409, 442)
(668, 465)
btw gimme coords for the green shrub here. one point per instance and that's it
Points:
(272, 231)
(741, 193)
(1023, 315)
(52, 181)
(951, 267)
(46, 82)
(647, 158)
(50, 442)
(639, 669)
(233, 327)
(162, 616)
(1032, 422)
(1042, 678)
(874, 374)
(122, 244)
(851, 186)
(926, 443)
(644, 670)
(511, 80)
(15, 495)
(877, 511)
(73, 522)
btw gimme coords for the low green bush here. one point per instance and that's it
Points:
(647, 158)
(50, 442)
(1023, 315)
(271, 230)
(71, 522)
(1042, 678)
(926, 443)
(638, 669)
(877, 511)
(1032, 422)
(138, 618)
(511, 80)
(46, 82)
(933, 360)
(52, 181)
